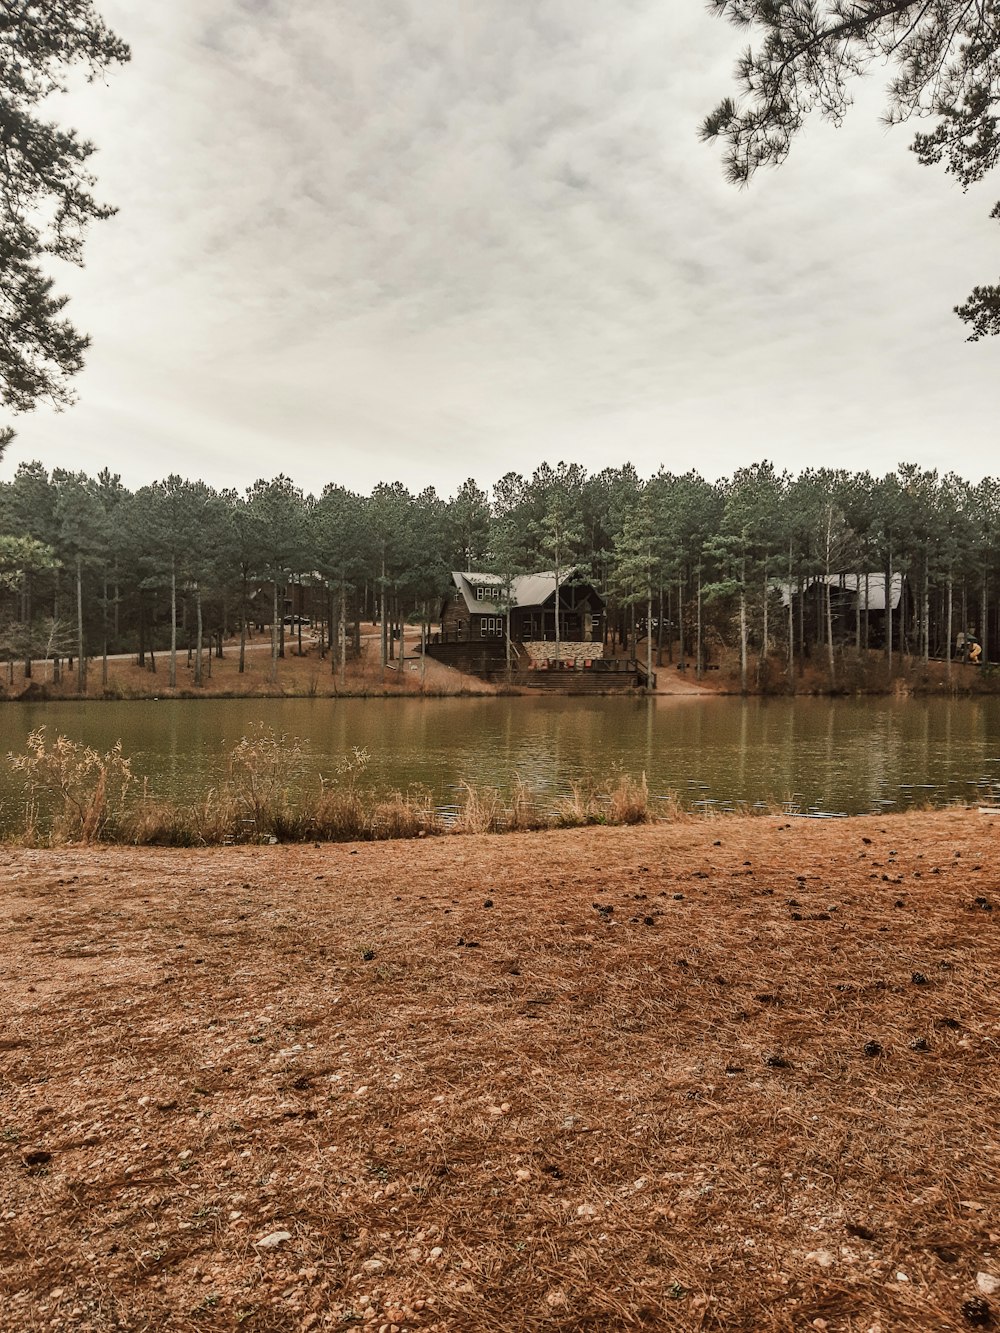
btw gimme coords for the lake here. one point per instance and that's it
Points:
(835, 756)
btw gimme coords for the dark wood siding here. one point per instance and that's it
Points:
(455, 620)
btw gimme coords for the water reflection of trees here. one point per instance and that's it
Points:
(850, 755)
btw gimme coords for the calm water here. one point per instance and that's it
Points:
(831, 755)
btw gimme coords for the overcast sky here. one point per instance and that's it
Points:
(365, 240)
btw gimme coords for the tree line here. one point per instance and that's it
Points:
(749, 565)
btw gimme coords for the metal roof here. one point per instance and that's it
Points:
(526, 589)
(873, 584)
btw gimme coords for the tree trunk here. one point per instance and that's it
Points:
(243, 622)
(274, 632)
(383, 610)
(766, 645)
(649, 635)
(27, 622)
(927, 613)
(659, 630)
(791, 620)
(342, 633)
(172, 680)
(81, 663)
(948, 615)
(888, 610)
(698, 648)
(104, 646)
(557, 608)
(333, 629)
(743, 628)
(984, 623)
(680, 618)
(197, 653)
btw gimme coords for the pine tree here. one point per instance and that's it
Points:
(47, 201)
(946, 61)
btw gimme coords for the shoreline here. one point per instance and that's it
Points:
(308, 675)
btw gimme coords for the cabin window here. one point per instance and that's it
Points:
(490, 626)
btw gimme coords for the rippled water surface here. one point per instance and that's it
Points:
(843, 756)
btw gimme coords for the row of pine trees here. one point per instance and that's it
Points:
(89, 568)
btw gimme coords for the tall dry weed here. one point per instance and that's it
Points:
(263, 769)
(84, 789)
(628, 801)
(480, 810)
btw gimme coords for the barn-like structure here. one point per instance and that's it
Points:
(478, 609)
(475, 619)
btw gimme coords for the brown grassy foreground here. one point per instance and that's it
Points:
(585, 1080)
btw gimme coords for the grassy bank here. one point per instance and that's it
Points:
(311, 675)
(73, 793)
(299, 675)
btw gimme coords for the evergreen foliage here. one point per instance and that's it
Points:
(765, 566)
(46, 186)
(945, 62)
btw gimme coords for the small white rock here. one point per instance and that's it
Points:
(988, 1283)
(273, 1240)
(822, 1257)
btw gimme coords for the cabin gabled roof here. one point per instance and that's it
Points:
(468, 583)
(870, 589)
(527, 590)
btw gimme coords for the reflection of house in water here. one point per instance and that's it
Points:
(857, 608)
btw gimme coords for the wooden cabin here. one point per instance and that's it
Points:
(478, 610)
(855, 599)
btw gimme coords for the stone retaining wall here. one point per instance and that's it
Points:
(540, 651)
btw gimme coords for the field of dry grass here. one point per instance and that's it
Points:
(735, 1074)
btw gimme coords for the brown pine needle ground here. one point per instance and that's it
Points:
(736, 1074)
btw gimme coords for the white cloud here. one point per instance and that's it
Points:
(360, 242)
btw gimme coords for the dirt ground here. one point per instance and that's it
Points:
(734, 1074)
